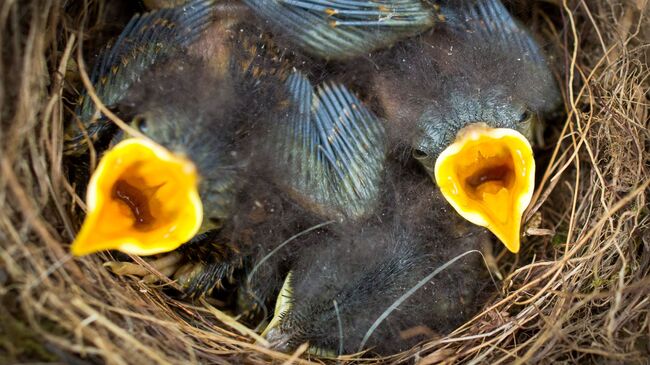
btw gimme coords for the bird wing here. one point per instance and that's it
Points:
(489, 29)
(333, 149)
(146, 40)
(490, 21)
(338, 29)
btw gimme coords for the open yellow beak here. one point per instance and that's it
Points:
(488, 176)
(141, 200)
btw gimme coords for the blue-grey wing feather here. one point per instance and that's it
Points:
(147, 39)
(334, 150)
(488, 23)
(339, 29)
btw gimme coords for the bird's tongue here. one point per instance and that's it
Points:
(495, 207)
(141, 200)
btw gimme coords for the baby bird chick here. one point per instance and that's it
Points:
(464, 95)
(218, 113)
(176, 180)
(373, 285)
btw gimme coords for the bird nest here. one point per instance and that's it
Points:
(577, 292)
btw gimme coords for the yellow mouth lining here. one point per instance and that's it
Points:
(487, 175)
(141, 200)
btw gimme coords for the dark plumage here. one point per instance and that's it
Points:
(488, 70)
(366, 266)
(210, 118)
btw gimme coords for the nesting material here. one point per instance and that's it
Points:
(576, 292)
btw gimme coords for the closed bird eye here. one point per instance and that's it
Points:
(526, 116)
(217, 222)
(419, 154)
(140, 122)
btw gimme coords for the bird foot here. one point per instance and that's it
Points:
(199, 279)
(196, 271)
(166, 265)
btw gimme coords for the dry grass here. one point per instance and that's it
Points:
(579, 291)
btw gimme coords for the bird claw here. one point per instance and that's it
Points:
(198, 279)
(166, 265)
(196, 274)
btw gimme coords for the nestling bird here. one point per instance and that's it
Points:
(222, 118)
(346, 278)
(463, 94)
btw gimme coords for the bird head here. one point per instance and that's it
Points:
(151, 194)
(484, 168)
(469, 98)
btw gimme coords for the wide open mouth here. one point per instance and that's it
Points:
(487, 175)
(142, 200)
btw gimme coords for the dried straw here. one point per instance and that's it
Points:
(577, 293)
